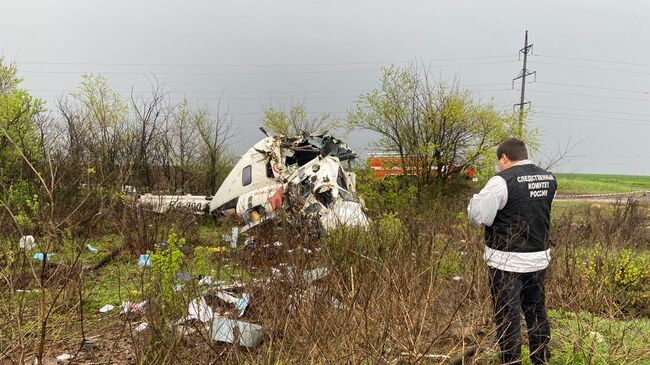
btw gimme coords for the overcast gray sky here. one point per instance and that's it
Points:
(592, 59)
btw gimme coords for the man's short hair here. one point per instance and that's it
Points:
(513, 148)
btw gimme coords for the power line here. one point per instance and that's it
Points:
(592, 110)
(275, 97)
(587, 119)
(591, 67)
(592, 60)
(249, 73)
(595, 116)
(591, 95)
(260, 64)
(269, 92)
(594, 87)
(522, 75)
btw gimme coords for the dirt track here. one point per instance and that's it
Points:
(643, 196)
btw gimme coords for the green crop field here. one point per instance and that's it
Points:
(600, 184)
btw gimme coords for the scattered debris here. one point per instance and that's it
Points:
(145, 260)
(315, 274)
(240, 303)
(426, 356)
(92, 249)
(128, 307)
(26, 243)
(206, 281)
(337, 304)
(457, 278)
(162, 203)
(90, 342)
(199, 309)
(64, 357)
(234, 237)
(106, 308)
(218, 249)
(142, 327)
(227, 330)
(40, 256)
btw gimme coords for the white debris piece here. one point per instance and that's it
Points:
(199, 309)
(234, 236)
(128, 307)
(226, 297)
(106, 308)
(162, 203)
(142, 327)
(344, 213)
(223, 330)
(315, 274)
(207, 280)
(26, 242)
(64, 357)
(242, 303)
(457, 278)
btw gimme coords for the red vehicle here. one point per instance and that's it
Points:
(390, 164)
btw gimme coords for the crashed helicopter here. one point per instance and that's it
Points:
(302, 175)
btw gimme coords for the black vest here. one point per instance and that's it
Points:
(523, 224)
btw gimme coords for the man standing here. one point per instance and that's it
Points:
(515, 208)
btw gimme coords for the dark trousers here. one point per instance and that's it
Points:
(513, 293)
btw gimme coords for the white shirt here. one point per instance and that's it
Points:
(482, 210)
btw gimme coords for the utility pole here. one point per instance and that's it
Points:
(528, 48)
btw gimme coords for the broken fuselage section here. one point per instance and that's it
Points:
(302, 175)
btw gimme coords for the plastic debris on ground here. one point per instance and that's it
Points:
(233, 237)
(206, 280)
(218, 249)
(199, 309)
(457, 278)
(145, 260)
(128, 307)
(26, 242)
(40, 256)
(64, 357)
(315, 274)
(92, 249)
(337, 303)
(142, 327)
(106, 308)
(223, 330)
(240, 303)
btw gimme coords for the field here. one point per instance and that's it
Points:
(601, 184)
(410, 289)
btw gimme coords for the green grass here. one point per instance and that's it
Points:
(584, 338)
(600, 184)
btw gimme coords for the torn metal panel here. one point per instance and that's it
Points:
(162, 203)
